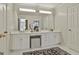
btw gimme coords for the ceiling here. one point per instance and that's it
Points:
(38, 5)
(43, 6)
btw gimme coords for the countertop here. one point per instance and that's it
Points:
(29, 32)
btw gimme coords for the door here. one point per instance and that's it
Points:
(73, 28)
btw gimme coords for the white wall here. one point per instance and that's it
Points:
(12, 18)
(4, 41)
(61, 22)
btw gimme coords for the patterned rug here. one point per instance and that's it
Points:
(50, 51)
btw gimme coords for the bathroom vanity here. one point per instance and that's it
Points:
(22, 40)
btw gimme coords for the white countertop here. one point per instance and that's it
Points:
(29, 32)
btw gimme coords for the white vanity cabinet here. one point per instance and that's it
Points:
(50, 38)
(19, 41)
(23, 42)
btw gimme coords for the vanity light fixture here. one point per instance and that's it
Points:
(27, 10)
(45, 12)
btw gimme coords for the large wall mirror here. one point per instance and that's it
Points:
(44, 16)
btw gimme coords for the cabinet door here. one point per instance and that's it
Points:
(53, 38)
(3, 45)
(44, 40)
(50, 38)
(25, 42)
(19, 42)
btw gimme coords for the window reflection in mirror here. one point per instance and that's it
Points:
(22, 24)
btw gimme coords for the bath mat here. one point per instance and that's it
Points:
(50, 51)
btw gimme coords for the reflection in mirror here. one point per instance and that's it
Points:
(34, 26)
(22, 24)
